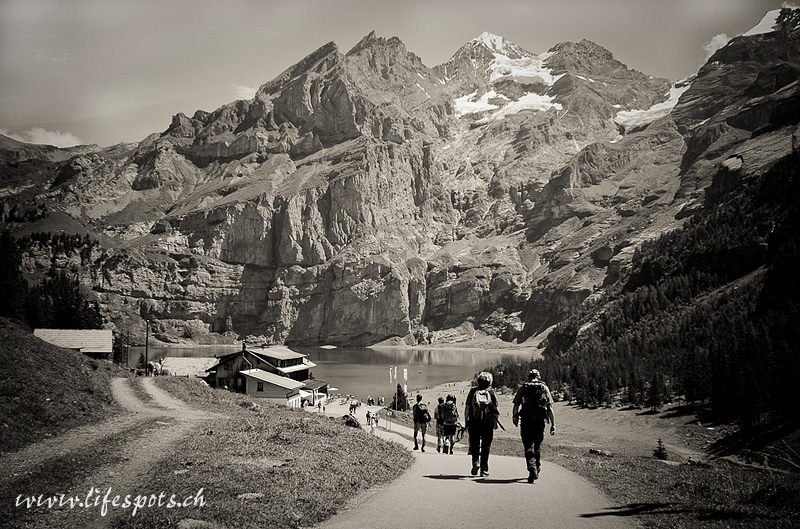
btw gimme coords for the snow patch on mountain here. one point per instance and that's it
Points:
(525, 70)
(469, 105)
(491, 41)
(766, 25)
(630, 119)
(530, 101)
(421, 88)
(498, 44)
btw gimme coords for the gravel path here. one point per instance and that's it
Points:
(159, 424)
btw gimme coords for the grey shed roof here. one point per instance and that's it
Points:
(83, 340)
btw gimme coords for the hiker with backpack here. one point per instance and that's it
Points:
(449, 422)
(437, 416)
(533, 405)
(421, 419)
(480, 419)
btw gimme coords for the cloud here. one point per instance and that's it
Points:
(243, 92)
(44, 137)
(63, 58)
(716, 43)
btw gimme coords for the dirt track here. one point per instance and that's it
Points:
(164, 421)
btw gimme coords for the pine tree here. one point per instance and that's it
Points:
(400, 399)
(660, 451)
(12, 285)
(655, 395)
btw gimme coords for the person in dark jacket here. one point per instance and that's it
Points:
(437, 416)
(480, 419)
(421, 419)
(533, 405)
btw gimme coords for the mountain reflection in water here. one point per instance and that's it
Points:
(364, 372)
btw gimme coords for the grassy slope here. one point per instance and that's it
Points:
(32, 371)
(676, 495)
(305, 466)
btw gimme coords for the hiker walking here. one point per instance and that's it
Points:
(421, 419)
(437, 416)
(533, 405)
(480, 419)
(449, 422)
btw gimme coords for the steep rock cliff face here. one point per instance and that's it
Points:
(363, 196)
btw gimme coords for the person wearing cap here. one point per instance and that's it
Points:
(533, 405)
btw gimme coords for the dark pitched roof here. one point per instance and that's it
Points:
(267, 355)
(313, 384)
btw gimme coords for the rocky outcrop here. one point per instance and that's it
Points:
(364, 196)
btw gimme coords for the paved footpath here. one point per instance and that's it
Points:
(439, 491)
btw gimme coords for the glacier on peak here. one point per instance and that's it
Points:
(631, 119)
(530, 101)
(468, 105)
(512, 62)
(491, 41)
(525, 70)
(766, 25)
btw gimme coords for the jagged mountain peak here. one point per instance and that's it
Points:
(326, 53)
(372, 40)
(585, 50)
(548, 168)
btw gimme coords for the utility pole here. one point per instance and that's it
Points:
(146, 344)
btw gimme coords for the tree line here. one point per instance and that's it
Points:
(708, 313)
(55, 302)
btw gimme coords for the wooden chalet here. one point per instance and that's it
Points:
(97, 343)
(278, 360)
(275, 388)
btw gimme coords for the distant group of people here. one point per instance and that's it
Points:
(372, 421)
(446, 417)
(533, 407)
(371, 401)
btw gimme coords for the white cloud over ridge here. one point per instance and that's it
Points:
(717, 42)
(243, 92)
(41, 136)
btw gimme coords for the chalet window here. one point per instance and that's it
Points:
(260, 386)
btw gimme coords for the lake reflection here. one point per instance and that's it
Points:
(364, 372)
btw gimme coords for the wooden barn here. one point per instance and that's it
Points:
(275, 388)
(97, 343)
(277, 360)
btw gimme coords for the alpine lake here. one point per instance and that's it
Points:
(364, 372)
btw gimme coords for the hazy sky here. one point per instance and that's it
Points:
(106, 71)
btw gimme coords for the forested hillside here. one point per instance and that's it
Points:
(55, 301)
(708, 312)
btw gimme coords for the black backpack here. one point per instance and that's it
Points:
(534, 400)
(422, 414)
(483, 408)
(449, 414)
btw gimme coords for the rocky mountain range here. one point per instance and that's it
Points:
(361, 197)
